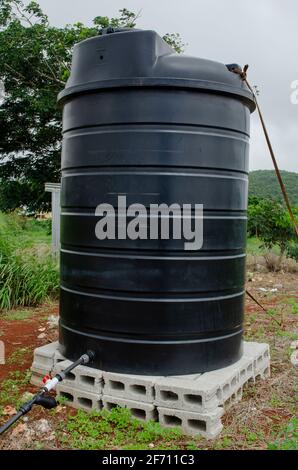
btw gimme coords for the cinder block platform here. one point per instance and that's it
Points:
(195, 403)
(205, 424)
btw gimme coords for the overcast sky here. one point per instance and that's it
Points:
(262, 33)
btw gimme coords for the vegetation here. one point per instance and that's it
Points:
(264, 419)
(263, 184)
(18, 315)
(17, 357)
(11, 388)
(27, 277)
(34, 65)
(287, 439)
(270, 222)
(292, 251)
(35, 61)
(104, 429)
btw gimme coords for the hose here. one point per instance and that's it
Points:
(43, 398)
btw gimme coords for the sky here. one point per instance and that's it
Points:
(263, 34)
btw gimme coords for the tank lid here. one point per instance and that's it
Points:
(126, 57)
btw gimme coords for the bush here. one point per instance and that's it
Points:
(26, 279)
(270, 221)
(292, 251)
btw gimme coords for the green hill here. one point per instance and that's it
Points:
(263, 183)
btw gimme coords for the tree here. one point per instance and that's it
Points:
(271, 222)
(254, 215)
(35, 60)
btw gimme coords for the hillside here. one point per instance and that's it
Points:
(263, 183)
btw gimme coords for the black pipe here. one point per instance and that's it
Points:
(42, 398)
(11, 422)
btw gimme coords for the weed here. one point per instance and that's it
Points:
(39, 445)
(275, 401)
(272, 312)
(114, 429)
(192, 445)
(252, 436)
(10, 388)
(17, 314)
(293, 303)
(223, 443)
(17, 357)
(287, 334)
(61, 400)
(152, 431)
(287, 439)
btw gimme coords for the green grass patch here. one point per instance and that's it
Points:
(114, 429)
(293, 305)
(287, 334)
(254, 247)
(17, 314)
(18, 356)
(27, 231)
(10, 388)
(287, 439)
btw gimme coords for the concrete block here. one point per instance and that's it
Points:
(207, 425)
(43, 363)
(44, 356)
(259, 354)
(203, 392)
(186, 394)
(234, 398)
(80, 399)
(131, 387)
(36, 379)
(36, 369)
(58, 356)
(192, 402)
(82, 377)
(262, 373)
(139, 410)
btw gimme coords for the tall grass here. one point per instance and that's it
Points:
(27, 277)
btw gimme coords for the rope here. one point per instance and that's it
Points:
(260, 305)
(255, 300)
(243, 75)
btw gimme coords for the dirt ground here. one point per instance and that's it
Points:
(263, 419)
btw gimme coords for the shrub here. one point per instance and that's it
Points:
(292, 251)
(270, 221)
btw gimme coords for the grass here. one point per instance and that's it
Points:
(17, 357)
(114, 429)
(29, 231)
(10, 392)
(118, 429)
(17, 315)
(287, 439)
(254, 247)
(293, 303)
(27, 278)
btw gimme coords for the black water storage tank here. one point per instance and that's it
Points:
(142, 121)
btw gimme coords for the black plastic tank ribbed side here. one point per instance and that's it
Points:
(142, 121)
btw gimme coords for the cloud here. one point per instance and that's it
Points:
(263, 34)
